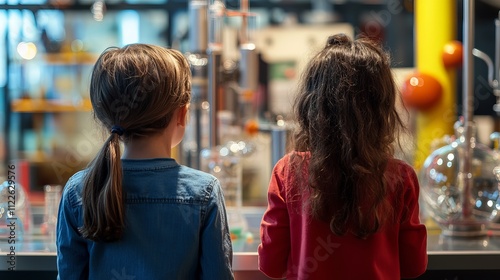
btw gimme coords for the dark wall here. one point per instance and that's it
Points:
(484, 40)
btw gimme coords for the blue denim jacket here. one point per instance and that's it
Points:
(176, 228)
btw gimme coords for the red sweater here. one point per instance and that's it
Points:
(296, 246)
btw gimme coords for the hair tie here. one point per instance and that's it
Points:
(337, 40)
(117, 129)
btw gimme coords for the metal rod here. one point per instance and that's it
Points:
(278, 143)
(244, 22)
(198, 31)
(491, 69)
(214, 63)
(9, 153)
(468, 69)
(468, 103)
(496, 82)
(497, 50)
(249, 68)
(216, 14)
(197, 56)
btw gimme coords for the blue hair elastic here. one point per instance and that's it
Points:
(117, 129)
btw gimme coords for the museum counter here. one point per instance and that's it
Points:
(449, 258)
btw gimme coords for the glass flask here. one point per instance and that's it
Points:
(495, 223)
(52, 196)
(15, 212)
(225, 163)
(460, 192)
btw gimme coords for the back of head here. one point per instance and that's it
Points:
(138, 87)
(346, 112)
(134, 91)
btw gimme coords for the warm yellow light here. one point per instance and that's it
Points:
(27, 50)
(414, 81)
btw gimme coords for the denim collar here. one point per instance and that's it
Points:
(149, 164)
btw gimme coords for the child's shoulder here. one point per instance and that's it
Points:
(401, 175)
(198, 184)
(195, 172)
(190, 173)
(76, 180)
(398, 165)
(73, 188)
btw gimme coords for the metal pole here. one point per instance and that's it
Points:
(468, 68)
(497, 51)
(214, 62)
(216, 13)
(198, 35)
(468, 103)
(496, 79)
(7, 101)
(197, 58)
(278, 143)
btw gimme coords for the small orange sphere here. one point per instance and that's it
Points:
(252, 127)
(421, 91)
(452, 54)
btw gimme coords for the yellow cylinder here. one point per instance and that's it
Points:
(435, 26)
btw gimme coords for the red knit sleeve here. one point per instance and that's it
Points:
(413, 234)
(274, 230)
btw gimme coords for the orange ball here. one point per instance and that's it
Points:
(452, 54)
(252, 127)
(421, 91)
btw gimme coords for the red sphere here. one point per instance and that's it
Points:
(452, 54)
(421, 91)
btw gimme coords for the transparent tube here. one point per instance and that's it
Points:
(249, 73)
(249, 67)
(216, 14)
(52, 195)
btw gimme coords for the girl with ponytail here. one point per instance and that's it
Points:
(139, 214)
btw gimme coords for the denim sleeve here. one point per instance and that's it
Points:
(72, 253)
(216, 251)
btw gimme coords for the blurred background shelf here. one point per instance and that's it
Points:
(70, 58)
(50, 106)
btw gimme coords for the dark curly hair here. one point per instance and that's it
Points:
(348, 124)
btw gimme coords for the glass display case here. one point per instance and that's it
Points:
(49, 130)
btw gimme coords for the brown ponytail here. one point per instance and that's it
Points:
(103, 212)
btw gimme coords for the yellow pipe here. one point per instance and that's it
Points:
(435, 25)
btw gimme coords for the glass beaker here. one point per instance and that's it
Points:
(224, 163)
(52, 195)
(14, 212)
